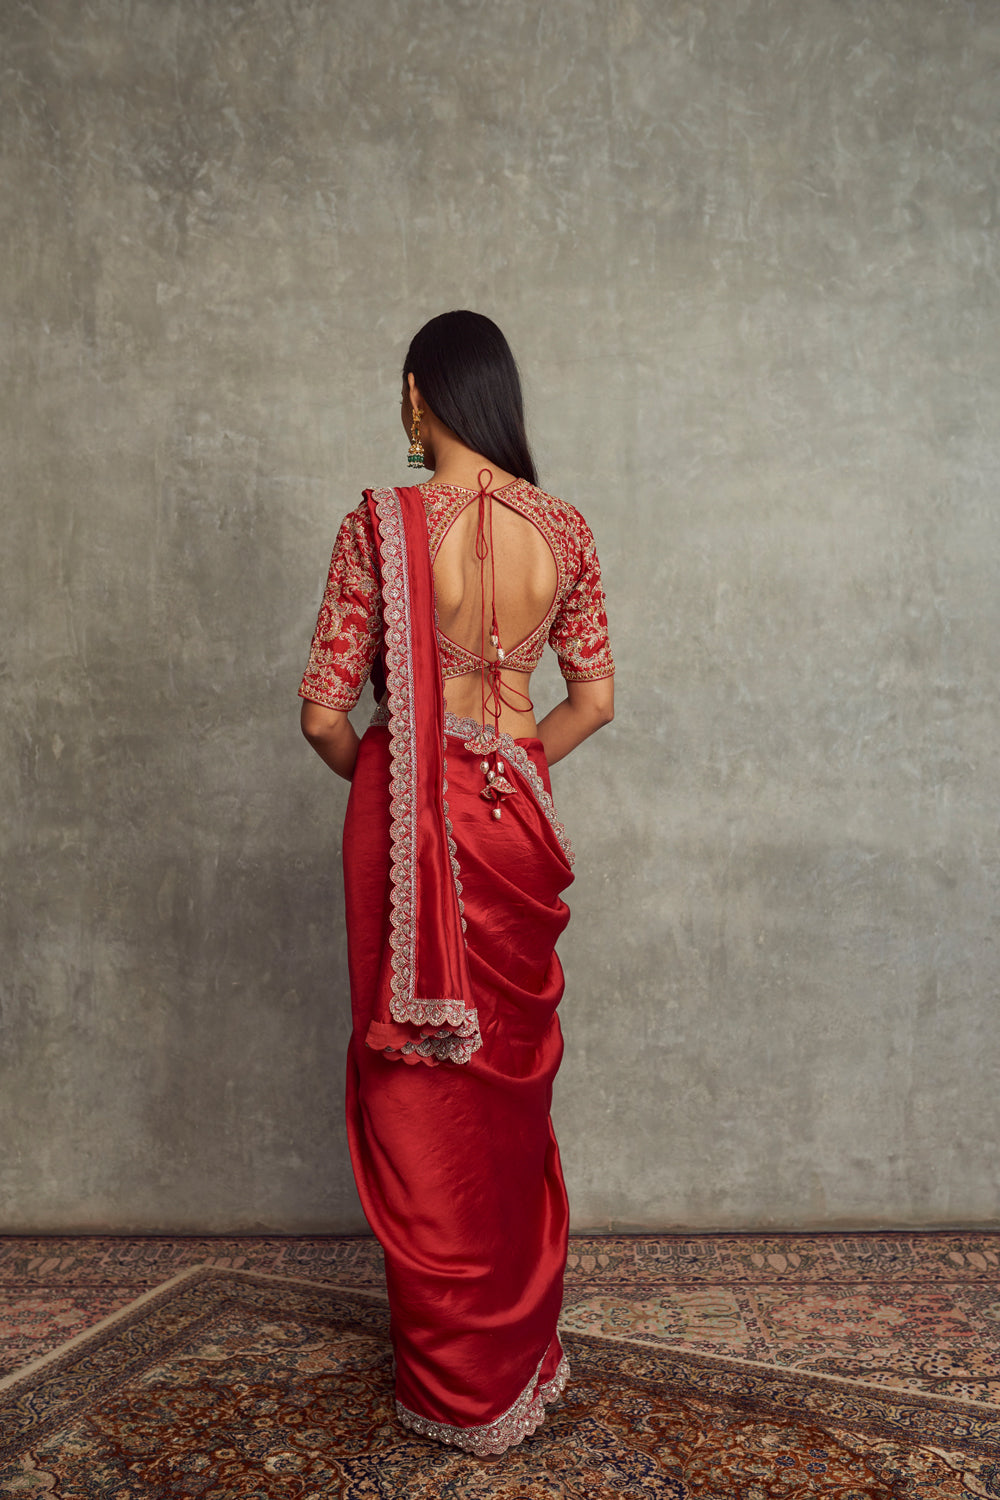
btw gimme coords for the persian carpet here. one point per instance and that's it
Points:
(920, 1312)
(224, 1384)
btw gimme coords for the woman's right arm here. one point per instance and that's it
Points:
(579, 637)
(332, 736)
(585, 708)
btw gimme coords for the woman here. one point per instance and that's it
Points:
(454, 861)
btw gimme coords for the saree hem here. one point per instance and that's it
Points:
(458, 1169)
(519, 1421)
(455, 1040)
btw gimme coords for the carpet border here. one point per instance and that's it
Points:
(883, 1422)
(820, 1377)
(21, 1382)
(34, 1366)
(205, 1270)
(751, 1385)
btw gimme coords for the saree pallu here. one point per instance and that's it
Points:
(456, 1161)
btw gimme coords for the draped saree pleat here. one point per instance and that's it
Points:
(449, 1094)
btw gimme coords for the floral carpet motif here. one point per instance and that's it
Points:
(230, 1383)
(917, 1312)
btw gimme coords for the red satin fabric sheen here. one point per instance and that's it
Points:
(457, 1166)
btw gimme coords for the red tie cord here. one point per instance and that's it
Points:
(493, 699)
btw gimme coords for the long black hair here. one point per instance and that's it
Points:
(465, 371)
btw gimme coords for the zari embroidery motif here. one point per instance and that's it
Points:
(349, 626)
(458, 1037)
(477, 739)
(577, 622)
(454, 1046)
(552, 1389)
(456, 873)
(484, 739)
(515, 1424)
(381, 717)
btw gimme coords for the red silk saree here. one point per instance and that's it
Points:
(452, 918)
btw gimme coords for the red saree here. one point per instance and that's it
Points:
(452, 919)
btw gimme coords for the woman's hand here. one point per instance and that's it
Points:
(586, 707)
(332, 736)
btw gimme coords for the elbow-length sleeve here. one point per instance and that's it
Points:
(579, 633)
(349, 628)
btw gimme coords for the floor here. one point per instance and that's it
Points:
(919, 1312)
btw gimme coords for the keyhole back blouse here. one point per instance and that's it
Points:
(348, 631)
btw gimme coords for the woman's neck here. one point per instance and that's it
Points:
(493, 478)
(456, 464)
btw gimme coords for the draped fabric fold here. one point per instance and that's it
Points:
(456, 1163)
(425, 1011)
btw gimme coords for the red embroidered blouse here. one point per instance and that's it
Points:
(349, 628)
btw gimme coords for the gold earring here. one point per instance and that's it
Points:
(415, 457)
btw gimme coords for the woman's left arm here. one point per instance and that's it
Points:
(586, 707)
(332, 736)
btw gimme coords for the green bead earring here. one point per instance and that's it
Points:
(415, 457)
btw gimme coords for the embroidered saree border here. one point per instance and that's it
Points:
(519, 1421)
(483, 740)
(452, 1033)
(456, 871)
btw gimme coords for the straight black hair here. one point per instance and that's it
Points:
(467, 375)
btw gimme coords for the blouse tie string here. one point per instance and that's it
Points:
(493, 688)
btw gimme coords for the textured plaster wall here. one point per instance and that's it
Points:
(747, 252)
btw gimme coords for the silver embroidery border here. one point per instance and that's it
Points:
(381, 717)
(456, 872)
(519, 1421)
(489, 739)
(459, 1038)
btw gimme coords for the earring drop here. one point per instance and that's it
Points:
(415, 456)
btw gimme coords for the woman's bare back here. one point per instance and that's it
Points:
(520, 567)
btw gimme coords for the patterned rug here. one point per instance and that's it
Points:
(231, 1383)
(915, 1312)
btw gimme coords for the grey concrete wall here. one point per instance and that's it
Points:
(747, 254)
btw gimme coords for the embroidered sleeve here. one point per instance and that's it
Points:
(579, 632)
(349, 628)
